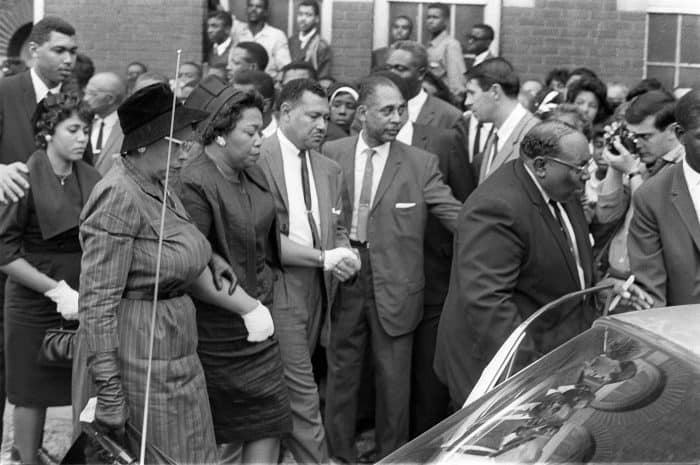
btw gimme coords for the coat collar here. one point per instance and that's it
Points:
(681, 200)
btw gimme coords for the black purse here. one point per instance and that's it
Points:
(57, 348)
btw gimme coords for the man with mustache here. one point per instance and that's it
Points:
(53, 48)
(308, 190)
(392, 187)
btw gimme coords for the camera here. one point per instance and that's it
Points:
(627, 138)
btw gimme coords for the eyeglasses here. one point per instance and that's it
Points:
(475, 38)
(578, 169)
(184, 144)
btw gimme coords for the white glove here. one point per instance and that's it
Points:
(332, 257)
(66, 300)
(259, 323)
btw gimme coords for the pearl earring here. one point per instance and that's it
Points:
(220, 141)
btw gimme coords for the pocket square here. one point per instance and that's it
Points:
(336, 211)
(405, 205)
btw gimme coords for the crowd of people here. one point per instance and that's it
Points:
(335, 255)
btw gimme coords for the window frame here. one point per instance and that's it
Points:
(492, 17)
(671, 7)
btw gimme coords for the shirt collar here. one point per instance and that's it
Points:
(271, 128)
(305, 38)
(539, 188)
(692, 177)
(415, 105)
(40, 87)
(481, 57)
(676, 154)
(405, 135)
(221, 48)
(510, 123)
(286, 145)
(382, 151)
(110, 119)
(263, 31)
(439, 38)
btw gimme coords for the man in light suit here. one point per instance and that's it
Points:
(492, 95)
(522, 242)
(664, 235)
(104, 93)
(308, 190)
(392, 188)
(53, 48)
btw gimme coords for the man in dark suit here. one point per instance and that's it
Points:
(401, 29)
(478, 42)
(53, 49)
(522, 241)
(308, 190)
(392, 187)
(219, 26)
(307, 45)
(492, 95)
(664, 235)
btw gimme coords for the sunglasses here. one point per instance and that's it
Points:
(475, 38)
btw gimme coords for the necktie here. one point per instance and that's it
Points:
(365, 197)
(98, 144)
(562, 226)
(476, 148)
(493, 150)
(306, 187)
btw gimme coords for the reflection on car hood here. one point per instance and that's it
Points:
(680, 325)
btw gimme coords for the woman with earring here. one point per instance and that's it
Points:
(40, 253)
(228, 197)
(120, 234)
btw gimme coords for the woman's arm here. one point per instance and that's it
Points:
(239, 302)
(28, 276)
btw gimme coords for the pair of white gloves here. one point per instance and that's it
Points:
(66, 300)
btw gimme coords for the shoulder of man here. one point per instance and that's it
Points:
(653, 189)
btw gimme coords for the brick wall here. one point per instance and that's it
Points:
(352, 39)
(572, 33)
(115, 32)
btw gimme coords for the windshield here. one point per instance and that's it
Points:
(602, 397)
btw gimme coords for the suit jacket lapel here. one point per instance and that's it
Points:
(485, 158)
(549, 219)
(274, 160)
(504, 155)
(420, 138)
(390, 169)
(427, 113)
(323, 190)
(109, 148)
(28, 95)
(680, 197)
(580, 226)
(347, 163)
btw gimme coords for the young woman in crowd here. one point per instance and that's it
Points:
(228, 198)
(40, 253)
(119, 234)
(590, 96)
(343, 104)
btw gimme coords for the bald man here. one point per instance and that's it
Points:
(104, 93)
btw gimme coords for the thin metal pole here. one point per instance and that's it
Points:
(144, 428)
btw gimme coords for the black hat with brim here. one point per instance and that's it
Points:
(145, 116)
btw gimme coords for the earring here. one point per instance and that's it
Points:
(141, 150)
(47, 137)
(220, 141)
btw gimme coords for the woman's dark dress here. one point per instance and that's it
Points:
(247, 393)
(42, 228)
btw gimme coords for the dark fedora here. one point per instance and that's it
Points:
(145, 116)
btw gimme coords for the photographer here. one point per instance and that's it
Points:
(645, 143)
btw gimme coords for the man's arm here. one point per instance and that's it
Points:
(438, 195)
(646, 250)
(455, 68)
(324, 59)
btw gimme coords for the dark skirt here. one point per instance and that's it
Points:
(28, 314)
(245, 381)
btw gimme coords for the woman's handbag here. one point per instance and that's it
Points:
(57, 348)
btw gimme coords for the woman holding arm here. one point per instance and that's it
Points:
(119, 234)
(40, 253)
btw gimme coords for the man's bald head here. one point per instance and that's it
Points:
(105, 92)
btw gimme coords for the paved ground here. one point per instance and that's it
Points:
(57, 433)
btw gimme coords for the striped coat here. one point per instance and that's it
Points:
(119, 233)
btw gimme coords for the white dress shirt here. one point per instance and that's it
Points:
(275, 43)
(305, 38)
(378, 164)
(405, 134)
(567, 224)
(415, 105)
(480, 58)
(270, 129)
(220, 49)
(40, 88)
(509, 125)
(109, 120)
(485, 131)
(692, 178)
(299, 228)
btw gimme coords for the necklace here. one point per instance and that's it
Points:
(62, 177)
